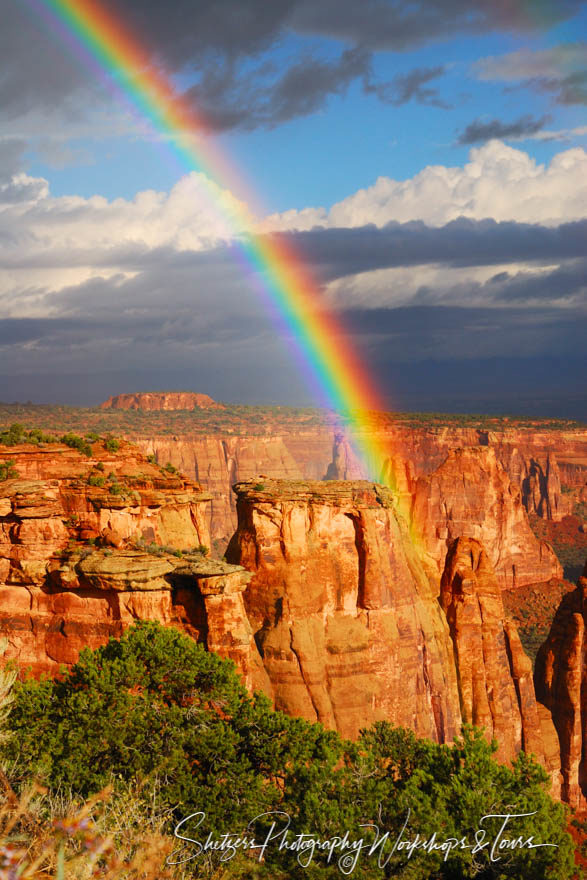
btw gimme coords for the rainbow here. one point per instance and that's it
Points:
(339, 379)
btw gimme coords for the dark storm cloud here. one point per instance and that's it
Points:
(335, 253)
(229, 101)
(224, 42)
(571, 89)
(478, 131)
(411, 86)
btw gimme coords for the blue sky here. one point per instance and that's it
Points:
(478, 109)
(352, 138)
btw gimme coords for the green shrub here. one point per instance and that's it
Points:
(156, 705)
(77, 442)
(96, 480)
(8, 471)
(112, 444)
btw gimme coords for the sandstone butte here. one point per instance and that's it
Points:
(161, 400)
(325, 603)
(549, 482)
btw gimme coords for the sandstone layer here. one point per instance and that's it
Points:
(350, 628)
(494, 673)
(471, 495)
(548, 467)
(78, 560)
(561, 684)
(161, 400)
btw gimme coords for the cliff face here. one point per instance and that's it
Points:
(351, 631)
(345, 618)
(561, 684)
(217, 462)
(72, 573)
(470, 495)
(549, 484)
(324, 604)
(527, 455)
(161, 400)
(494, 673)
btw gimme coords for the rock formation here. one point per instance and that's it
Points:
(158, 400)
(494, 673)
(351, 631)
(76, 562)
(345, 618)
(220, 459)
(560, 678)
(470, 495)
(325, 603)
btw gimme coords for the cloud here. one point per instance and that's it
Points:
(560, 71)
(498, 181)
(222, 45)
(411, 86)
(11, 157)
(393, 24)
(335, 253)
(479, 131)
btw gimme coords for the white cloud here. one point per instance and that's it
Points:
(498, 182)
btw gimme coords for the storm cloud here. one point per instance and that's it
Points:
(225, 47)
(479, 131)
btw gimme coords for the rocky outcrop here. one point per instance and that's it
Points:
(346, 621)
(80, 558)
(351, 631)
(470, 495)
(217, 460)
(560, 678)
(494, 673)
(161, 400)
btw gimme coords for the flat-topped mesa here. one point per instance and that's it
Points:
(560, 678)
(494, 673)
(470, 495)
(161, 400)
(346, 621)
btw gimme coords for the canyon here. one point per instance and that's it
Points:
(345, 601)
(341, 602)
(548, 466)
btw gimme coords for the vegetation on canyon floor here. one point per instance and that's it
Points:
(150, 729)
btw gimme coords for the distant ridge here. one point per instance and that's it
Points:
(161, 400)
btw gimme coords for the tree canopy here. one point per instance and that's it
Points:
(155, 704)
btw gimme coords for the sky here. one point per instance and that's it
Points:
(427, 159)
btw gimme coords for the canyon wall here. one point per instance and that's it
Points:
(550, 482)
(470, 495)
(351, 631)
(325, 602)
(561, 684)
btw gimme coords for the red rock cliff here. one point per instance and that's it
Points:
(494, 673)
(471, 495)
(549, 467)
(72, 573)
(347, 623)
(561, 684)
(351, 630)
